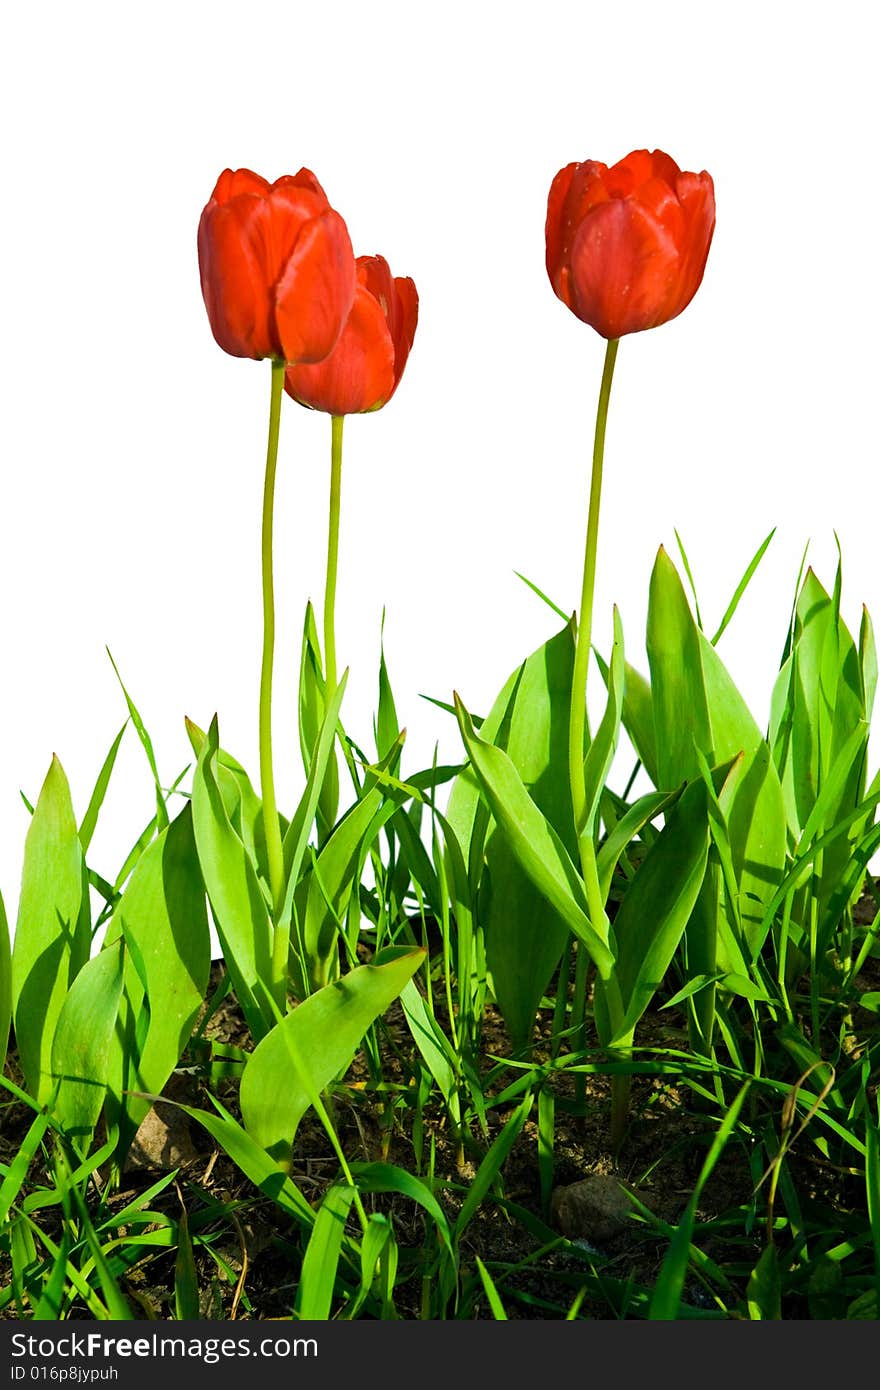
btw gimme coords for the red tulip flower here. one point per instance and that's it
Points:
(277, 268)
(364, 369)
(627, 246)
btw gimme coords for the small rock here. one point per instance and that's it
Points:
(594, 1209)
(163, 1140)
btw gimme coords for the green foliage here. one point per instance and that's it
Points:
(305, 1051)
(52, 935)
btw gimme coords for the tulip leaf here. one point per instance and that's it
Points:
(466, 811)
(257, 1166)
(524, 933)
(537, 846)
(436, 1050)
(162, 919)
(241, 913)
(297, 834)
(314, 1043)
(312, 707)
(867, 663)
(822, 695)
(243, 805)
(688, 675)
(655, 910)
(322, 898)
(600, 753)
(52, 936)
(640, 814)
(5, 983)
(387, 725)
(82, 1043)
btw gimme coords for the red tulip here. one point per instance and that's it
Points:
(277, 268)
(364, 369)
(627, 246)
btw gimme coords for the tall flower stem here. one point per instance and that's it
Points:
(578, 714)
(271, 824)
(336, 423)
(328, 802)
(577, 726)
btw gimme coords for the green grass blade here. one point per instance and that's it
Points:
(387, 1177)
(21, 1162)
(90, 819)
(666, 1298)
(51, 1301)
(743, 585)
(147, 744)
(690, 579)
(186, 1281)
(495, 1304)
(314, 1297)
(491, 1166)
(560, 613)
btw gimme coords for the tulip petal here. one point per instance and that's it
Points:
(232, 263)
(304, 179)
(574, 192)
(315, 291)
(696, 194)
(403, 325)
(232, 182)
(640, 167)
(624, 268)
(399, 302)
(359, 373)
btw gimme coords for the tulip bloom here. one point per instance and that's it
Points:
(364, 369)
(627, 245)
(276, 265)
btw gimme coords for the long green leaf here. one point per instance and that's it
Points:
(322, 1034)
(82, 1044)
(655, 910)
(242, 915)
(5, 984)
(90, 819)
(699, 714)
(147, 743)
(524, 934)
(742, 586)
(162, 918)
(317, 1281)
(600, 753)
(258, 1166)
(533, 840)
(52, 937)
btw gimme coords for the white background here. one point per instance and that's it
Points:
(133, 447)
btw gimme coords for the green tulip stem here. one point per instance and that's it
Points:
(578, 716)
(336, 423)
(271, 824)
